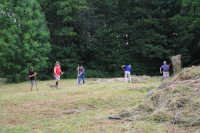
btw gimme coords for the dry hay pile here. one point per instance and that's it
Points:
(177, 102)
(115, 79)
(135, 80)
(144, 77)
(176, 62)
(101, 81)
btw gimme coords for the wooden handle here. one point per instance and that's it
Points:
(78, 74)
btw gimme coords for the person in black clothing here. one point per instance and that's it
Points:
(31, 75)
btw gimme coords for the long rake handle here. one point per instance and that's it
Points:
(163, 71)
(168, 65)
(78, 74)
(36, 82)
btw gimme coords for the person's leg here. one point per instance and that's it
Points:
(83, 76)
(167, 75)
(166, 79)
(79, 79)
(129, 75)
(163, 76)
(125, 77)
(32, 83)
(57, 80)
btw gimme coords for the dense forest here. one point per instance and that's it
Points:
(101, 35)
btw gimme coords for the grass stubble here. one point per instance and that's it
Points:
(74, 108)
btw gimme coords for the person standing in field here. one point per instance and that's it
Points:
(81, 74)
(57, 71)
(31, 76)
(165, 69)
(127, 72)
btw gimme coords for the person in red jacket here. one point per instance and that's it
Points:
(57, 71)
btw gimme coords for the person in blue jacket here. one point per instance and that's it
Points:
(127, 72)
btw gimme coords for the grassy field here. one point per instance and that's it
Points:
(72, 108)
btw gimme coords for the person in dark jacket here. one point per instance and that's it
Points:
(31, 76)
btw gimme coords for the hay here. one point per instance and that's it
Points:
(101, 80)
(136, 80)
(176, 102)
(125, 114)
(176, 62)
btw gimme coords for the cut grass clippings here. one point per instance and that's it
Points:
(176, 102)
(73, 108)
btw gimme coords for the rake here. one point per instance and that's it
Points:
(122, 69)
(163, 71)
(36, 83)
(78, 74)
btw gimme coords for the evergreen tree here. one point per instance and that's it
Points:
(188, 33)
(64, 19)
(23, 38)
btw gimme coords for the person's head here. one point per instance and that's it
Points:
(57, 63)
(81, 67)
(129, 65)
(31, 69)
(164, 62)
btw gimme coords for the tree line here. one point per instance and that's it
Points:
(100, 35)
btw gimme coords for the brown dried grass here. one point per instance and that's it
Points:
(176, 62)
(178, 102)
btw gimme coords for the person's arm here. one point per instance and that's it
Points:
(32, 75)
(122, 66)
(61, 71)
(77, 68)
(160, 70)
(55, 71)
(79, 74)
(168, 67)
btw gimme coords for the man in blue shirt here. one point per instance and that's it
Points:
(165, 69)
(127, 72)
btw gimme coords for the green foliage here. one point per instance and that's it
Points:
(96, 74)
(100, 35)
(63, 18)
(188, 22)
(23, 38)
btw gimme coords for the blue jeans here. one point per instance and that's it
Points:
(56, 77)
(79, 79)
(32, 82)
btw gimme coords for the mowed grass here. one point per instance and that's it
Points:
(72, 108)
